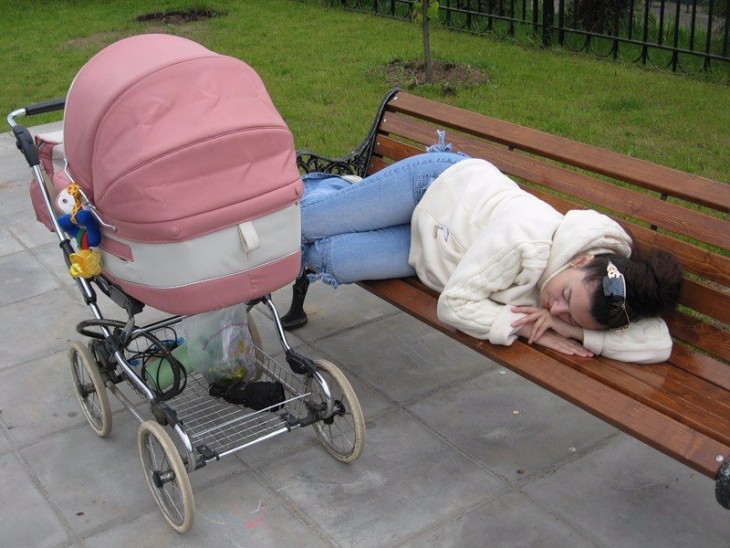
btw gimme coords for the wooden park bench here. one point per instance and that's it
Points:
(680, 407)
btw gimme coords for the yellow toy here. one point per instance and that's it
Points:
(85, 263)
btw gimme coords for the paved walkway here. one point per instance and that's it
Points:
(460, 452)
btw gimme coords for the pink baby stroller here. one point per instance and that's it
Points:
(174, 185)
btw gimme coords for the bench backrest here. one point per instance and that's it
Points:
(660, 207)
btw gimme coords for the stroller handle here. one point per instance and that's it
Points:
(23, 138)
(45, 106)
(37, 108)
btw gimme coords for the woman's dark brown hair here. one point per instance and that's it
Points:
(653, 284)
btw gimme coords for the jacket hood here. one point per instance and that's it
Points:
(584, 231)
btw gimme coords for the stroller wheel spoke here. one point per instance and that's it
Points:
(174, 500)
(342, 433)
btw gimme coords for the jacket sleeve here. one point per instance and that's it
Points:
(475, 297)
(645, 341)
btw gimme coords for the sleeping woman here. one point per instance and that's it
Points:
(506, 263)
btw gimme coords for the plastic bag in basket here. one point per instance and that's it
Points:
(220, 346)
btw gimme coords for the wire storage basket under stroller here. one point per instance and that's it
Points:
(175, 186)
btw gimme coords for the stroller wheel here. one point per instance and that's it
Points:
(166, 476)
(90, 389)
(343, 434)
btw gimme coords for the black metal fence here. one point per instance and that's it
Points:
(682, 35)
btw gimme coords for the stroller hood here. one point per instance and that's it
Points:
(170, 140)
(192, 170)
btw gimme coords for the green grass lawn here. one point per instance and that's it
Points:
(321, 68)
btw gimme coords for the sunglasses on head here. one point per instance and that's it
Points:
(614, 289)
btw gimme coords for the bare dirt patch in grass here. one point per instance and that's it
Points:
(178, 17)
(180, 22)
(445, 75)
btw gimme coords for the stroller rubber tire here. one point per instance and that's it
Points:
(90, 389)
(166, 476)
(342, 434)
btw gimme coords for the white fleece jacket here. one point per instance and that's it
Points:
(487, 245)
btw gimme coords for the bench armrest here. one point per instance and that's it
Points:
(356, 162)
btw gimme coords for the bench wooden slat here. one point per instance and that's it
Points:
(376, 164)
(710, 301)
(651, 209)
(646, 174)
(710, 339)
(649, 425)
(701, 365)
(670, 397)
(678, 381)
(713, 266)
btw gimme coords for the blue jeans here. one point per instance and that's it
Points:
(362, 231)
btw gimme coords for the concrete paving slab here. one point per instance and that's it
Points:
(238, 512)
(21, 341)
(332, 310)
(37, 399)
(510, 425)
(15, 198)
(506, 522)
(101, 483)
(393, 491)
(26, 517)
(28, 231)
(627, 494)
(403, 358)
(15, 169)
(51, 257)
(4, 441)
(23, 277)
(8, 243)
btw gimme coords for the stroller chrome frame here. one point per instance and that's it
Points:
(206, 429)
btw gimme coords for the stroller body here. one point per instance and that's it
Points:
(183, 182)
